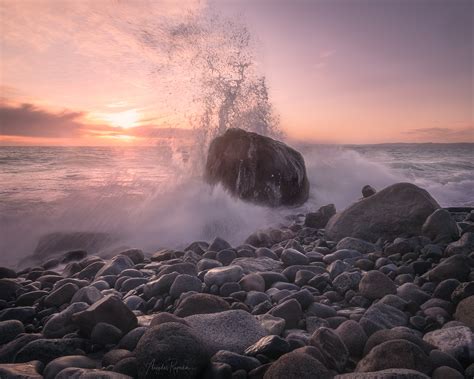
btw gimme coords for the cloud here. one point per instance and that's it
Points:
(31, 121)
(444, 134)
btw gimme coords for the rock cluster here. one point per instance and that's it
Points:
(305, 306)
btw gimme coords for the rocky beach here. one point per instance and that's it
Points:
(382, 289)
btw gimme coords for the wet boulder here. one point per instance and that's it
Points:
(398, 210)
(258, 169)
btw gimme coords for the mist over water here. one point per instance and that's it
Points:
(148, 197)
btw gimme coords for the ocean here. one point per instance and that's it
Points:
(153, 197)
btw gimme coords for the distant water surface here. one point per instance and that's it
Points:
(152, 196)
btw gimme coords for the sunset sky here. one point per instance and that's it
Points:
(339, 71)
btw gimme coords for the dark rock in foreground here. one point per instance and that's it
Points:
(257, 169)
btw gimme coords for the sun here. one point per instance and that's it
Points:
(126, 119)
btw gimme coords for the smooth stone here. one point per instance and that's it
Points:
(61, 323)
(226, 256)
(440, 358)
(113, 356)
(320, 218)
(353, 336)
(200, 303)
(105, 334)
(185, 283)
(271, 346)
(297, 365)
(397, 373)
(346, 281)
(160, 286)
(9, 350)
(411, 292)
(358, 244)
(397, 333)
(321, 310)
(129, 341)
(457, 341)
(273, 325)
(29, 298)
(250, 265)
(221, 275)
(463, 245)
(219, 244)
(465, 312)
(252, 282)
(45, 350)
(84, 373)
(61, 295)
(236, 361)
(375, 285)
(167, 346)
(290, 311)
(232, 330)
(395, 354)
(9, 330)
(292, 257)
(116, 265)
(23, 314)
(462, 291)
(440, 227)
(405, 209)
(445, 372)
(57, 365)
(333, 349)
(454, 267)
(109, 309)
(87, 295)
(135, 255)
(382, 316)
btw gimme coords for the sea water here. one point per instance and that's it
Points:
(153, 197)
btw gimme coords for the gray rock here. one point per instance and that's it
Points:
(257, 169)
(129, 341)
(358, 244)
(185, 283)
(320, 218)
(116, 265)
(9, 330)
(23, 314)
(221, 275)
(105, 334)
(170, 350)
(297, 365)
(57, 365)
(411, 292)
(9, 350)
(109, 309)
(333, 349)
(454, 267)
(375, 285)
(457, 341)
(200, 303)
(250, 265)
(290, 311)
(84, 373)
(440, 227)
(160, 286)
(464, 245)
(391, 373)
(45, 350)
(382, 316)
(395, 354)
(61, 295)
(273, 325)
(465, 311)
(61, 323)
(252, 282)
(368, 191)
(346, 281)
(232, 330)
(219, 244)
(236, 361)
(87, 295)
(405, 209)
(397, 333)
(291, 257)
(135, 255)
(353, 336)
(271, 346)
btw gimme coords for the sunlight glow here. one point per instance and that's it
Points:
(125, 119)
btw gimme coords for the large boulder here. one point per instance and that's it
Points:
(257, 169)
(170, 350)
(233, 330)
(398, 210)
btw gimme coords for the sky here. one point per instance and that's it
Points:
(338, 71)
